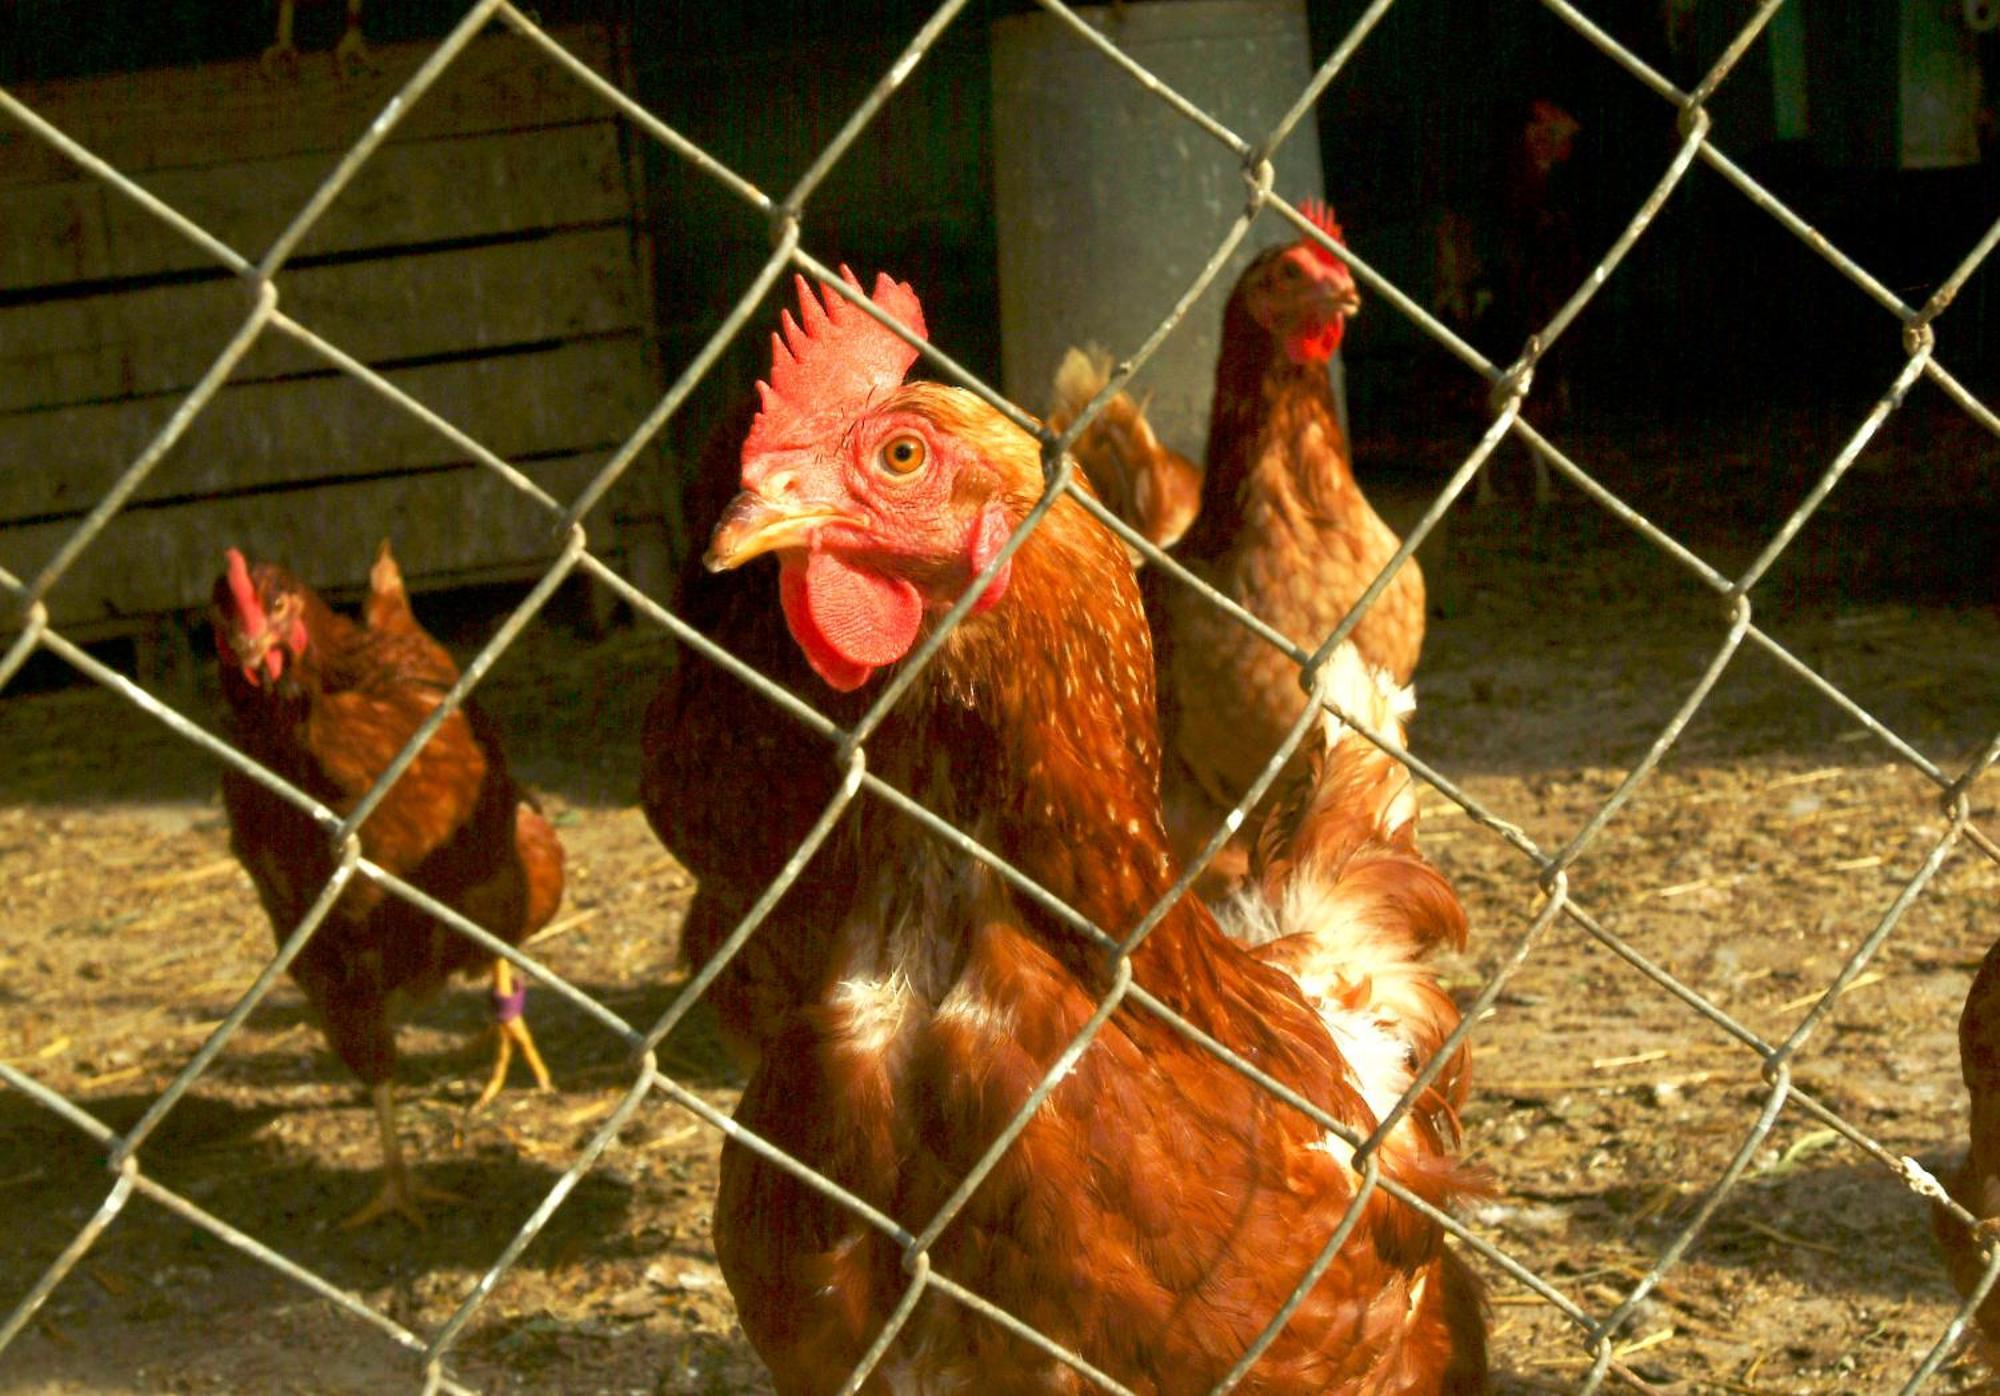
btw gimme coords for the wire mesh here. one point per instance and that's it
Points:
(1544, 871)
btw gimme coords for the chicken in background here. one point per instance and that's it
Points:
(1159, 1207)
(1975, 1184)
(350, 54)
(1145, 482)
(327, 704)
(1284, 530)
(1495, 285)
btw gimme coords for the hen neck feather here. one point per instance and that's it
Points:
(1266, 405)
(340, 656)
(1036, 724)
(336, 647)
(1035, 730)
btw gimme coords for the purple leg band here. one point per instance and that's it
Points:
(507, 1007)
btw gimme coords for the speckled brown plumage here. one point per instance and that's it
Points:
(1160, 1206)
(454, 825)
(1285, 531)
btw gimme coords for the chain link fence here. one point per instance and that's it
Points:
(1543, 870)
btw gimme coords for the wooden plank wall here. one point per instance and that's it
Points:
(488, 260)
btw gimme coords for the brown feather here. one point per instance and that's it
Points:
(1284, 530)
(1160, 1206)
(1145, 482)
(454, 825)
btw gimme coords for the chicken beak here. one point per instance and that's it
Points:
(753, 525)
(255, 653)
(1339, 299)
(1334, 295)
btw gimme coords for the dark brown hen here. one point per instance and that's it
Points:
(327, 704)
(732, 785)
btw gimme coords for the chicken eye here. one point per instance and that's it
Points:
(904, 455)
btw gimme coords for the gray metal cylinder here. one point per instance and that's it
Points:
(1109, 200)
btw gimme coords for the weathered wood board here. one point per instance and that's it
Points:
(162, 339)
(488, 260)
(447, 525)
(229, 113)
(446, 188)
(588, 394)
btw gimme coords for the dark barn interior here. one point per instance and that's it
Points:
(1721, 320)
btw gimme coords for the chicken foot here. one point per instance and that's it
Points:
(512, 1031)
(400, 1191)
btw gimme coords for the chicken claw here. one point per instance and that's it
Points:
(400, 1193)
(511, 1029)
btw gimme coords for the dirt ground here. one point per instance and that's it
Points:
(1771, 840)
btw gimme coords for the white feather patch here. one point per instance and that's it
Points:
(877, 1010)
(1370, 695)
(975, 1012)
(1345, 951)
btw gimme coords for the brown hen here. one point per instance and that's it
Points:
(1160, 1206)
(1975, 1184)
(709, 741)
(1505, 265)
(327, 704)
(1284, 530)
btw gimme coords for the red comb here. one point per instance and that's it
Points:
(1320, 215)
(249, 609)
(831, 362)
(1543, 112)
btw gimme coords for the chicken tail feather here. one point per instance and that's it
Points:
(541, 856)
(1341, 899)
(388, 603)
(1150, 486)
(1463, 1299)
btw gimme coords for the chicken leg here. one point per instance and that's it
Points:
(281, 59)
(509, 997)
(350, 55)
(400, 1191)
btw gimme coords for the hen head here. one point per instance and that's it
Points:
(1549, 135)
(881, 500)
(259, 619)
(1303, 294)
